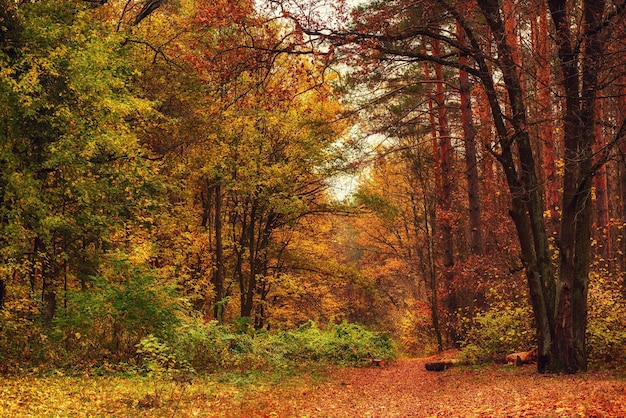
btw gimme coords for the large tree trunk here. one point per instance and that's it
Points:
(527, 206)
(430, 219)
(579, 137)
(602, 232)
(560, 306)
(545, 117)
(471, 164)
(444, 194)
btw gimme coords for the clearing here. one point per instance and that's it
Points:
(400, 389)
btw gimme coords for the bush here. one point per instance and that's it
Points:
(211, 346)
(214, 347)
(503, 329)
(606, 327)
(158, 358)
(110, 318)
(352, 344)
(22, 336)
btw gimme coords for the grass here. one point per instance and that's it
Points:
(250, 393)
(239, 375)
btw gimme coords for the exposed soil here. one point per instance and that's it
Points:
(405, 389)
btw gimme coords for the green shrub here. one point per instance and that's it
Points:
(347, 343)
(158, 358)
(606, 327)
(112, 316)
(23, 340)
(213, 347)
(504, 329)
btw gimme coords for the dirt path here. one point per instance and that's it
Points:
(401, 389)
(405, 389)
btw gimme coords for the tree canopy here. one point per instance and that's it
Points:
(168, 165)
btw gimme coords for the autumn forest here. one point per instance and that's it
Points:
(206, 186)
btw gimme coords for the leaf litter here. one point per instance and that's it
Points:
(402, 388)
(406, 389)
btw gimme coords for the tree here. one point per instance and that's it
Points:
(398, 239)
(72, 169)
(245, 138)
(388, 31)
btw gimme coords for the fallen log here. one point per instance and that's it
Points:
(521, 358)
(440, 366)
(375, 361)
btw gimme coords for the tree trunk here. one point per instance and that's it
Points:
(247, 301)
(545, 120)
(602, 232)
(444, 194)
(240, 232)
(471, 164)
(527, 206)
(218, 274)
(3, 293)
(622, 188)
(622, 180)
(433, 125)
(430, 219)
(579, 138)
(432, 278)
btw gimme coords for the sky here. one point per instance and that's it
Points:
(342, 186)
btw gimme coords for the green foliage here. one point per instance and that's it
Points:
(158, 358)
(22, 337)
(505, 328)
(213, 347)
(164, 368)
(72, 174)
(242, 325)
(378, 204)
(113, 316)
(606, 329)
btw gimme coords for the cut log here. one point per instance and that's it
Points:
(523, 357)
(439, 366)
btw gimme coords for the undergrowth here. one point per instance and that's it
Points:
(211, 347)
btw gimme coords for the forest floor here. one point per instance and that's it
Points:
(400, 389)
(405, 389)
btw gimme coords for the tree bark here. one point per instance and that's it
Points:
(602, 232)
(471, 164)
(430, 218)
(621, 176)
(444, 194)
(218, 273)
(545, 117)
(527, 206)
(247, 293)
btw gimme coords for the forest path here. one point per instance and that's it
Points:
(405, 389)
